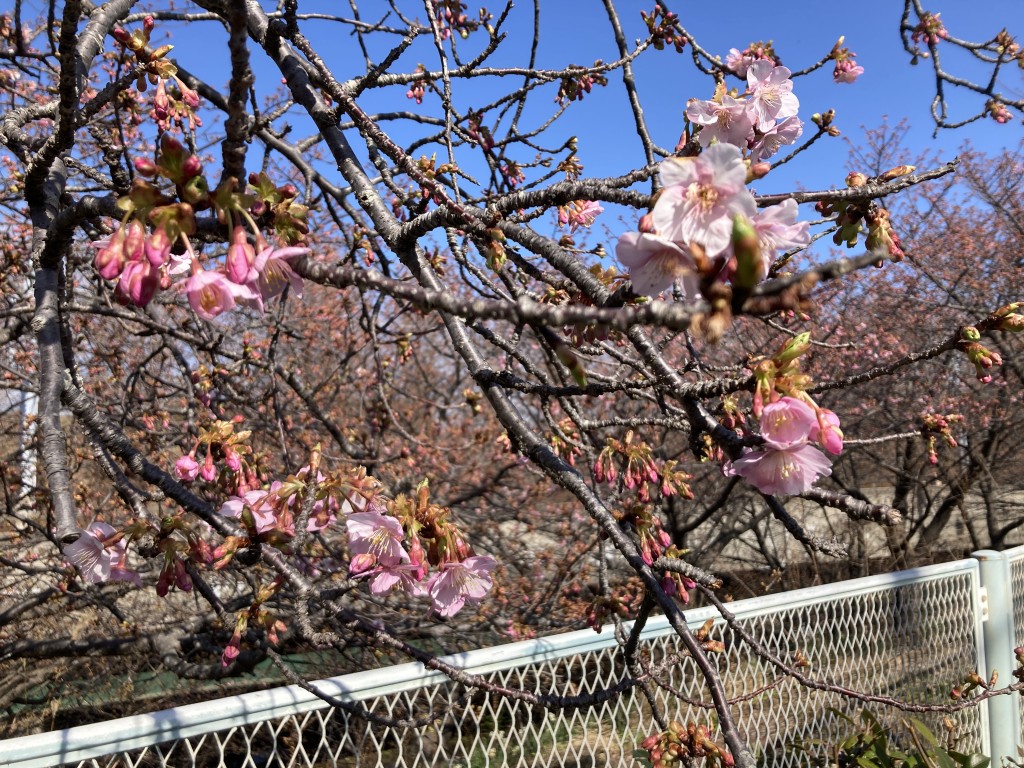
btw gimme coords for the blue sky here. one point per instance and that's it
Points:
(578, 32)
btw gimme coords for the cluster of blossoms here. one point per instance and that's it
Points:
(789, 421)
(998, 111)
(664, 28)
(690, 231)
(222, 444)
(578, 213)
(155, 69)
(787, 463)
(929, 29)
(451, 15)
(705, 222)
(980, 356)
(152, 244)
(938, 425)
(575, 86)
(377, 544)
(418, 89)
(739, 61)
(761, 122)
(640, 472)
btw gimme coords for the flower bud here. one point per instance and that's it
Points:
(746, 247)
(895, 173)
(145, 167)
(856, 179)
(758, 171)
(792, 349)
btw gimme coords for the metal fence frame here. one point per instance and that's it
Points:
(997, 605)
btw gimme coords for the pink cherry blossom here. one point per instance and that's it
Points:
(458, 583)
(259, 504)
(98, 563)
(847, 71)
(579, 213)
(785, 472)
(739, 62)
(727, 122)
(186, 468)
(275, 272)
(781, 134)
(406, 575)
(701, 196)
(376, 534)
(787, 464)
(778, 230)
(771, 94)
(210, 293)
(655, 263)
(787, 423)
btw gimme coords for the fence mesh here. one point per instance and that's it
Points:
(910, 641)
(1016, 558)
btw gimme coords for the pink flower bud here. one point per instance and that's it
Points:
(138, 283)
(240, 258)
(232, 459)
(158, 247)
(145, 167)
(109, 259)
(208, 471)
(361, 563)
(135, 240)
(192, 167)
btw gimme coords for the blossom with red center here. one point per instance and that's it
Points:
(458, 583)
(701, 196)
(655, 263)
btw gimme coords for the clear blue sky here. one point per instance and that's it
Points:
(577, 32)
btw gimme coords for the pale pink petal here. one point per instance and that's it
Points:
(786, 473)
(787, 423)
(655, 263)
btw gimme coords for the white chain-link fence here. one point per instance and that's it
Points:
(911, 635)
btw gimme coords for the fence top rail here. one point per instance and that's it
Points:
(97, 739)
(1015, 553)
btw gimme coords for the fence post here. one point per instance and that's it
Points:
(1000, 639)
